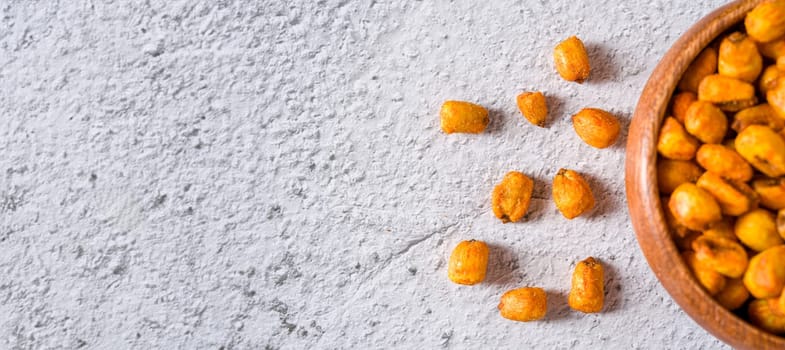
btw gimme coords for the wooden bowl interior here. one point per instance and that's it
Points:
(644, 199)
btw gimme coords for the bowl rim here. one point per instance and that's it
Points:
(643, 198)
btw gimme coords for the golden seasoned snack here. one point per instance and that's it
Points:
(703, 65)
(739, 58)
(572, 60)
(765, 276)
(762, 114)
(771, 192)
(763, 148)
(722, 229)
(781, 223)
(678, 230)
(571, 193)
(463, 117)
(727, 93)
(758, 230)
(524, 304)
(734, 295)
(766, 21)
(533, 107)
(734, 197)
(768, 79)
(775, 95)
(596, 127)
(681, 102)
(712, 281)
(772, 49)
(721, 254)
(762, 313)
(510, 198)
(724, 162)
(706, 122)
(588, 287)
(672, 173)
(693, 207)
(468, 262)
(674, 142)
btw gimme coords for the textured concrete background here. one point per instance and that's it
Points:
(237, 175)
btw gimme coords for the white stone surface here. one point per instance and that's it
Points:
(246, 175)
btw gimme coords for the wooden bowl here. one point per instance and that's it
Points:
(643, 196)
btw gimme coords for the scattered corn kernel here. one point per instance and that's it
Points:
(572, 193)
(588, 287)
(734, 295)
(721, 254)
(511, 197)
(572, 60)
(524, 304)
(758, 230)
(765, 277)
(463, 117)
(703, 65)
(739, 58)
(727, 93)
(712, 281)
(672, 173)
(724, 162)
(763, 148)
(533, 107)
(468, 262)
(596, 127)
(706, 122)
(674, 142)
(766, 21)
(734, 197)
(693, 207)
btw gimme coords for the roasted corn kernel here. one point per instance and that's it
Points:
(763, 148)
(572, 60)
(706, 122)
(463, 117)
(571, 193)
(524, 304)
(727, 93)
(588, 287)
(721, 229)
(703, 65)
(768, 79)
(674, 142)
(693, 207)
(510, 198)
(762, 114)
(468, 262)
(757, 230)
(724, 162)
(772, 49)
(533, 107)
(734, 197)
(763, 314)
(739, 58)
(771, 192)
(765, 276)
(734, 295)
(775, 95)
(721, 254)
(672, 173)
(681, 102)
(712, 281)
(766, 22)
(596, 127)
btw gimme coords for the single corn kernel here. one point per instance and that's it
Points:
(572, 60)
(762, 114)
(724, 162)
(721, 254)
(681, 102)
(693, 207)
(727, 93)
(739, 58)
(468, 262)
(766, 22)
(763, 148)
(533, 107)
(768, 79)
(772, 49)
(721, 229)
(572, 194)
(712, 281)
(587, 294)
(771, 192)
(775, 95)
(758, 230)
(734, 197)
(524, 304)
(672, 173)
(463, 117)
(703, 65)
(762, 314)
(765, 276)
(511, 197)
(677, 229)
(596, 127)
(734, 295)
(674, 142)
(706, 122)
